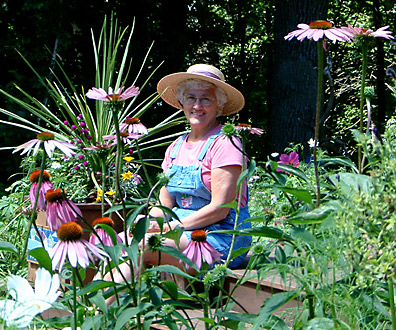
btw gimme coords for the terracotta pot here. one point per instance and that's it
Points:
(90, 212)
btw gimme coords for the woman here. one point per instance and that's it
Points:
(203, 165)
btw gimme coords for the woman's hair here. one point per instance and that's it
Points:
(201, 84)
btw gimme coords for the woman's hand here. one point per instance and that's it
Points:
(155, 228)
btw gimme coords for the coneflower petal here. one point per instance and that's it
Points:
(72, 253)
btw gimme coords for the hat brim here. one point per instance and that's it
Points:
(167, 86)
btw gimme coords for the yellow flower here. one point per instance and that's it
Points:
(99, 194)
(128, 158)
(110, 193)
(126, 176)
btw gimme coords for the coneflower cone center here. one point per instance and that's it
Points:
(198, 236)
(228, 129)
(54, 195)
(320, 24)
(70, 231)
(35, 175)
(105, 220)
(131, 121)
(113, 97)
(45, 136)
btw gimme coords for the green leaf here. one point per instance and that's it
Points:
(170, 324)
(269, 232)
(128, 314)
(114, 252)
(6, 246)
(110, 231)
(320, 323)
(302, 235)
(232, 205)
(95, 286)
(255, 219)
(171, 269)
(178, 255)
(280, 255)
(99, 300)
(295, 171)
(133, 251)
(246, 174)
(167, 211)
(155, 295)
(174, 234)
(171, 289)
(301, 194)
(271, 305)
(373, 303)
(132, 215)
(141, 228)
(343, 161)
(240, 251)
(317, 215)
(350, 183)
(41, 255)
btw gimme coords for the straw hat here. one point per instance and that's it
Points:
(235, 99)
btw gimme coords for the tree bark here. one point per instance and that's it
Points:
(292, 102)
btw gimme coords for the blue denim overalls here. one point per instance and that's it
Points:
(190, 193)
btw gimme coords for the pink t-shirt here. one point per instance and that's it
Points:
(220, 153)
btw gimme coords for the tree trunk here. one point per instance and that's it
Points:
(292, 102)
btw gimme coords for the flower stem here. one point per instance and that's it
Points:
(103, 187)
(34, 211)
(317, 116)
(74, 325)
(118, 169)
(362, 99)
(392, 302)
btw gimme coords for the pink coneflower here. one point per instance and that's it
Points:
(49, 142)
(104, 236)
(199, 250)
(74, 247)
(133, 126)
(290, 159)
(59, 209)
(117, 96)
(317, 30)
(354, 32)
(247, 127)
(125, 137)
(45, 186)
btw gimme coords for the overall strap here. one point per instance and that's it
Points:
(207, 145)
(176, 148)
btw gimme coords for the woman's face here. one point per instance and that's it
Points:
(200, 106)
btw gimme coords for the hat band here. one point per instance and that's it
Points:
(206, 73)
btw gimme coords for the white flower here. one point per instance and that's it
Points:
(16, 314)
(311, 143)
(273, 199)
(55, 166)
(274, 154)
(28, 302)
